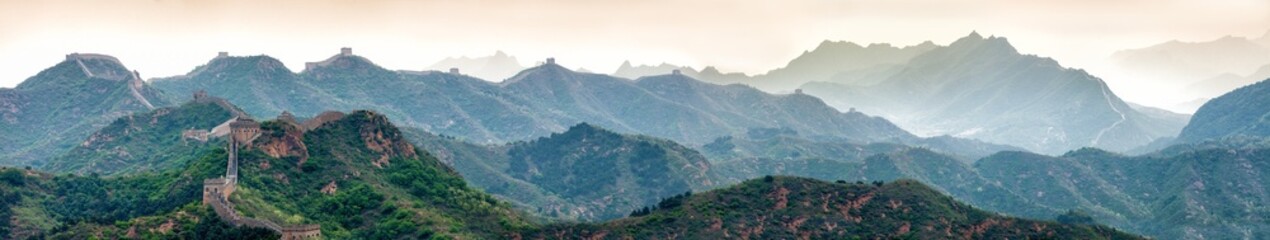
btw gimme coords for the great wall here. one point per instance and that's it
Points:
(217, 191)
(134, 78)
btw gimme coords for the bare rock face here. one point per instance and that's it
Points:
(330, 188)
(284, 140)
(381, 137)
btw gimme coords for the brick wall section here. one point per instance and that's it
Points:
(216, 193)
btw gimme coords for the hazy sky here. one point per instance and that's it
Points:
(171, 37)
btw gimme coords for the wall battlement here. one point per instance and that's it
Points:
(91, 56)
(301, 231)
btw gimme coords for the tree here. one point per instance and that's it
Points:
(1074, 216)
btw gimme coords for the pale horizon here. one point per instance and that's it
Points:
(167, 38)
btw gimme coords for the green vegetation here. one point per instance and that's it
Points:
(1242, 112)
(58, 108)
(585, 173)
(261, 85)
(381, 187)
(359, 179)
(790, 208)
(141, 142)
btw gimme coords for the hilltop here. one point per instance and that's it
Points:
(54, 110)
(262, 85)
(1238, 113)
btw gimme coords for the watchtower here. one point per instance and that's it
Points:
(244, 130)
(241, 131)
(288, 118)
(217, 189)
(200, 95)
(346, 51)
(551, 60)
(222, 54)
(676, 72)
(454, 71)
(301, 231)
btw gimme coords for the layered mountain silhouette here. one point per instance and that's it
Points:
(626, 70)
(357, 177)
(1238, 113)
(550, 98)
(841, 62)
(57, 108)
(495, 67)
(982, 88)
(262, 84)
(1224, 83)
(1184, 63)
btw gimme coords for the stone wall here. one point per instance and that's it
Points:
(301, 231)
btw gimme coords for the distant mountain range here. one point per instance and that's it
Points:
(535, 102)
(626, 70)
(495, 68)
(261, 85)
(982, 88)
(1195, 70)
(1240, 113)
(1184, 63)
(841, 62)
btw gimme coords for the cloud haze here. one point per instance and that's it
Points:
(163, 38)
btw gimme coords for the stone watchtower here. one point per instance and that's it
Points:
(222, 54)
(200, 95)
(454, 71)
(551, 60)
(676, 72)
(242, 131)
(346, 51)
(287, 117)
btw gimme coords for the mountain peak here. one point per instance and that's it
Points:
(974, 35)
(828, 45)
(548, 70)
(223, 63)
(585, 128)
(974, 40)
(344, 60)
(79, 66)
